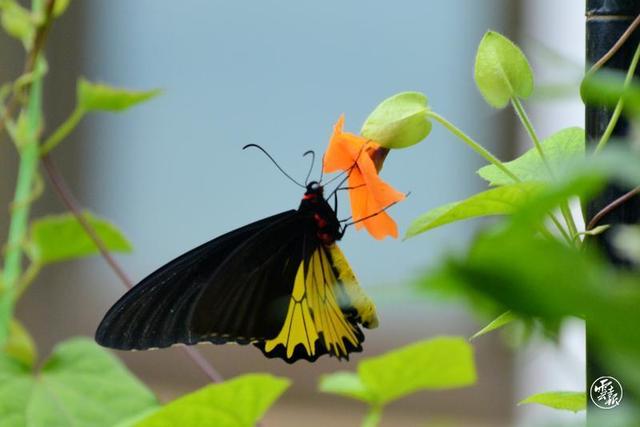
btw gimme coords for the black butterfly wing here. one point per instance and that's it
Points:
(246, 298)
(155, 313)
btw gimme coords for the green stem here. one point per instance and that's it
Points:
(526, 122)
(473, 144)
(27, 278)
(63, 131)
(524, 118)
(27, 170)
(560, 228)
(495, 161)
(604, 139)
(373, 417)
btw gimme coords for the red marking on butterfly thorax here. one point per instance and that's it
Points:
(319, 211)
(323, 234)
(319, 220)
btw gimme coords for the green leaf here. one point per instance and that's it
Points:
(496, 201)
(501, 70)
(574, 401)
(399, 121)
(567, 145)
(60, 7)
(240, 402)
(57, 238)
(513, 268)
(346, 384)
(497, 323)
(595, 231)
(20, 345)
(17, 21)
(99, 97)
(80, 385)
(607, 87)
(435, 364)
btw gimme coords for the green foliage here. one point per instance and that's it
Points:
(435, 364)
(606, 88)
(99, 97)
(595, 230)
(17, 21)
(20, 345)
(399, 121)
(60, 7)
(95, 97)
(513, 267)
(81, 384)
(240, 402)
(347, 384)
(497, 201)
(497, 323)
(560, 149)
(502, 72)
(573, 401)
(57, 238)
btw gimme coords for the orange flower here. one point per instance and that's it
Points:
(362, 159)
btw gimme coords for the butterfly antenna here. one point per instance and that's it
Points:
(348, 224)
(346, 172)
(321, 169)
(313, 160)
(274, 162)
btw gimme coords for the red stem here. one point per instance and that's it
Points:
(64, 193)
(612, 206)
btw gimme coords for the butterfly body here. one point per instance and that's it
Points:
(280, 283)
(313, 204)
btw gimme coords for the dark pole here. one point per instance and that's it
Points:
(607, 21)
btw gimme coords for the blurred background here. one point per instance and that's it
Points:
(172, 174)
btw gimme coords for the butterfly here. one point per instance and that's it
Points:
(280, 283)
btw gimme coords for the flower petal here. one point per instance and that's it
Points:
(369, 194)
(343, 149)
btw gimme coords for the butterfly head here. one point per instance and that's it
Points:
(314, 189)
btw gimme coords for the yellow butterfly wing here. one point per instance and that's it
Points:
(324, 311)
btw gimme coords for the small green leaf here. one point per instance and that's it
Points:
(20, 345)
(240, 402)
(60, 7)
(567, 145)
(17, 21)
(57, 238)
(497, 323)
(501, 70)
(99, 97)
(574, 401)
(346, 384)
(596, 230)
(80, 385)
(496, 201)
(399, 121)
(435, 364)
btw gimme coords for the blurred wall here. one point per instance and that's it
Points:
(171, 173)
